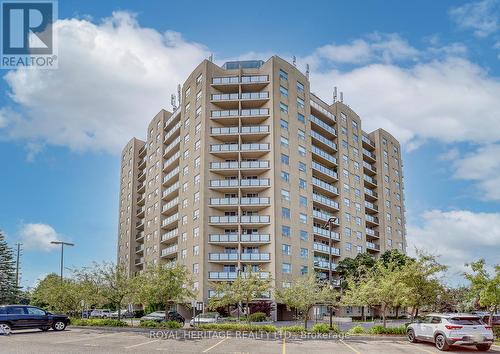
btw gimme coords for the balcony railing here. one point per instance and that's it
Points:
(224, 113)
(321, 247)
(226, 165)
(226, 80)
(255, 112)
(323, 169)
(139, 261)
(250, 182)
(372, 232)
(370, 179)
(322, 215)
(372, 219)
(371, 192)
(232, 219)
(172, 159)
(320, 108)
(170, 189)
(327, 186)
(326, 233)
(323, 125)
(255, 256)
(320, 152)
(169, 235)
(255, 129)
(367, 140)
(369, 154)
(224, 130)
(249, 79)
(170, 219)
(254, 164)
(224, 183)
(372, 246)
(223, 147)
(369, 166)
(223, 201)
(170, 204)
(222, 275)
(169, 250)
(324, 264)
(325, 200)
(322, 139)
(255, 200)
(171, 174)
(172, 131)
(370, 205)
(254, 147)
(254, 95)
(223, 238)
(223, 256)
(255, 219)
(225, 97)
(257, 238)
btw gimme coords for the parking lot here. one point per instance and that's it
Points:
(76, 340)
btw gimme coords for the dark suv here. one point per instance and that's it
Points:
(14, 317)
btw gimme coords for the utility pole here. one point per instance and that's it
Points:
(62, 243)
(18, 254)
(329, 224)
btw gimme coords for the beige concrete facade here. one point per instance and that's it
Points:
(245, 174)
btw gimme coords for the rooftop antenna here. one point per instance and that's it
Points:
(294, 60)
(307, 71)
(179, 94)
(341, 97)
(211, 58)
(172, 102)
(335, 94)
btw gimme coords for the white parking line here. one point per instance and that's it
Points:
(88, 338)
(143, 343)
(348, 346)
(216, 344)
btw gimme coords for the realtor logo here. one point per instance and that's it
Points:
(27, 34)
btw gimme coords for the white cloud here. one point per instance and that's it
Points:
(458, 237)
(449, 100)
(450, 155)
(38, 237)
(377, 47)
(480, 16)
(483, 167)
(113, 77)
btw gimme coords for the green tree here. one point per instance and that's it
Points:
(162, 284)
(395, 258)
(54, 295)
(8, 289)
(330, 297)
(245, 288)
(302, 295)
(485, 287)
(107, 283)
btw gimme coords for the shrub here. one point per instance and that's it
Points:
(148, 324)
(388, 330)
(320, 328)
(258, 317)
(167, 324)
(238, 327)
(356, 330)
(292, 329)
(100, 322)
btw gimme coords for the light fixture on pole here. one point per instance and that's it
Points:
(62, 243)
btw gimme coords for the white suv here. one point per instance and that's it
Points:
(451, 329)
(97, 313)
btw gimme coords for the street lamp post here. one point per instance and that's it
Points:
(62, 243)
(329, 224)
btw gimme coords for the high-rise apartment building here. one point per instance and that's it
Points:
(245, 174)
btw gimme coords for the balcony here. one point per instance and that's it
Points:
(170, 205)
(223, 238)
(169, 235)
(175, 157)
(370, 181)
(369, 155)
(372, 233)
(315, 105)
(225, 97)
(142, 163)
(169, 176)
(254, 147)
(170, 190)
(225, 165)
(223, 220)
(327, 128)
(139, 261)
(224, 131)
(223, 257)
(322, 248)
(254, 165)
(140, 224)
(254, 130)
(222, 275)
(255, 219)
(370, 246)
(142, 150)
(254, 115)
(324, 264)
(324, 170)
(227, 80)
(141, 187)
(335, 236)
(250, 182)
(262, 257)
(171, 147)
(170, 220)
(174, 117)
(371, 219)
(325, 201)
(323, 155)
(139, 249)
(255, 201)
(228, 115)
(169, 251)
(223, 201)
(218, 148)
(253, 79)
(141, 199)
(224, 183)
(370, 194)
(369, 168)
(140, 211)
(367, 142)
(323, 140)
(255, 238)
(371, 207)
(322, 215)
(139, 236)
(324, 185)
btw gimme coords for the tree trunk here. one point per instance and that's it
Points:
(248, 312)
(384, 321)
(119, 313)
(416, 312)
(397, 312)
(363, 316)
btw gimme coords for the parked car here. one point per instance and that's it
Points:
(14, 317)
(445, 330)
(99, 313)
(123, 313)
(86, 313)
(159, 316)
(495, 319)
(205, 318)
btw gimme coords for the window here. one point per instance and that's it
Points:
(196, 179)
(283, 107)
(301, 118)
(304, 253)
(285, 176)
(285, 213)
(347, 217)
(285, 159)
(302, 183)
(302, 167)
(199, 79)
(285, 231)
(359, 249)
(347, 231)
(284, 91)
(196, 232)
(284, 141)
(184, 254)
(197, 162)
(343, 130)
(303, 218)
(198, 96)
(197, 145)
(196, 268)
(196, 250)
(184, 220)
(283, 124)
(286, 249)
(196, 214)
(196, 198)
(304, 236)
(286, 268)
(348, 246)
(303, 269)
(347, 202)
(301, 134)
(302, 151)
(285, 195)
(300, 87)
(300, 103)
(197, 128)
(185, 186)
(283, 75)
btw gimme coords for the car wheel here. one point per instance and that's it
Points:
(5, 328)
(59, 326)
(440, 342)
(411, 336)
(44, 329)
(483, 347)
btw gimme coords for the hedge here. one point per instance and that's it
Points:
(356, 330)
(258, 317)
(99, 322)
(164, 324)
(238, 327)
(388, 330)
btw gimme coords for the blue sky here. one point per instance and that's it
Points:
(426, 71)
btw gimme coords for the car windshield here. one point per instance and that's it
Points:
(157, 313)
(465, 321)
(208, 315)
